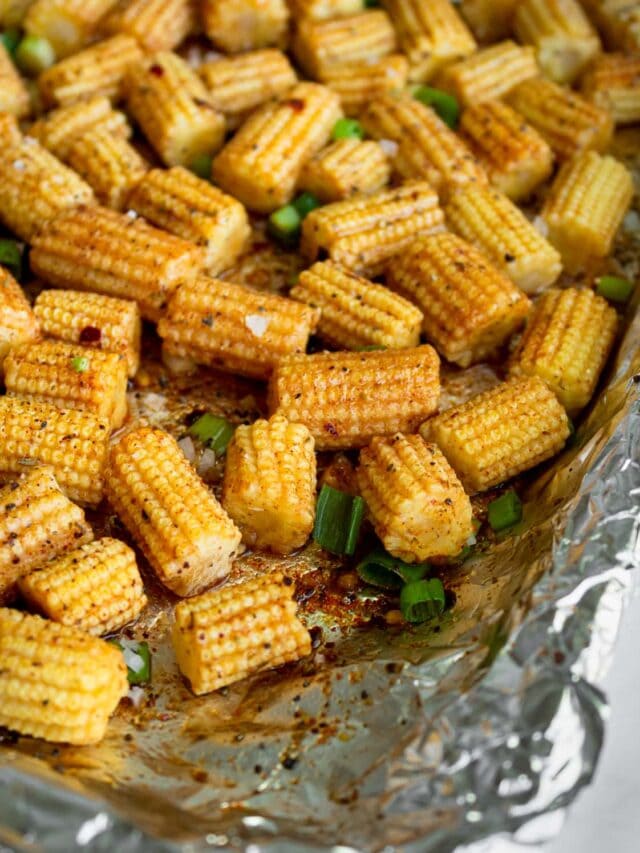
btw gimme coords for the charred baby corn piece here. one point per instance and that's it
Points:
(57, 682)
(618, 21)
(61, 128)
(9, 130)
(154, 24)
(260, 166)
(360, 83)
(178, 201)
(417, 504)
(66, 24)
(14, 95)
(347, 398)
(496, 226)
(184, 533)
(322, 10)
(364, 232)
(72, 442)
(234, 328)
(226, 635)
(96, 587)
(500, 433)
(18, 323)
(269, 485)
(37, 524)
(345, 167)
(489, 20)
(613, 83)
(239, 25)
(470, 308)
(355, 312)
(97, 249)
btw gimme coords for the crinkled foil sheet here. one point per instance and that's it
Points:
(432, 739)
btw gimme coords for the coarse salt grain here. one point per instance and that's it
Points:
(257, 324)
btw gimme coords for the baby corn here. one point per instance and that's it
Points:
(66, 24)
(238, 25)
(60, 129)
(184, 533)
(9, 131)
(489, 20)
(360, 83)
(613, 83)
(14, 95)
(321, 10)
(345, 167)
(618, 21)
(347, 398)
(18, 323)
(490, 73)
(154, 24)
(12, 12)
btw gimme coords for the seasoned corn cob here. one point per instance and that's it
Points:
(585, 207)
(320, 46)
(18, 323)
(61, 128)
(568, 122)
(234, 328)
(224, 636)
(345, 167)
(12, 12)
(56, 682)
(363, 232)
(489, 73)
(514, 155)
(269, 485)
(172, 106)
(490, 20)
(96, 587)
(470, 308)
(500, 433)
(494, 224)
(35, 187)
(69, 376)
(427, 148)
(360, 83)
(238, 25)
(619, 22)
(355, 312)
(115, 254)
(37, 523)
(347, 398)
(418, 507)
(73, 443)
(261, 164)
(14, 95)
(98, 70)
(9, 131)
(154, 24)
(431, 35)
(184, 533)
(178, 201)
(66, 24)
(321, 10)
(613, 83)
(93, 320)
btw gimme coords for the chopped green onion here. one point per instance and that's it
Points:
(371, 4)
(422, 600)
(338, 520)
(201, 166)
(284, 225)
(34, 55)
(370, 348)
(505, 511)
(11, 257)
(214, 431)
(443, 103)
(137, 658)
(80, 363)
(347, 128)
(381, 569)
(10, 39)
(305, 203)
(615, 289)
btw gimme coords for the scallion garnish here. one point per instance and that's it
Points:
(213, 431)
(444, 104)
(615, 289)
(11, 257)
(505, 511)
(305, 203)
(347, 128)
(422, 600)
(201, 166)
(137, 658)
(10, 39)
(338, 520)
(381, 569)
(34, 55)
(80, 363)
(284, 225)
(370, 348)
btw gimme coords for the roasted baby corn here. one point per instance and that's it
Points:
(66, 24)
(495, 225)
(500, 433)
(269, 485)
(613, 83)
(261, 164)
(514, 156)
(585, 208)
(355, 312)
(489, 20)
(61, 128)
(56, 682)
(9, 131)
(347, 398)
(345, 167)
(364, 232)
(619, 22)
(360, 83)
(234, 328)
(178, 201)
(172, 106)
(321, 10)
(225, 635)
(184, 533)
(72, 442)
(154, 24)
(37, 523)
(18, 323)
(12, 12)
(96, 587)
(490, 73)
(470, 308)
(116, 254)
(418, 507)
(14, 95)
(93, 320)
(238, 25)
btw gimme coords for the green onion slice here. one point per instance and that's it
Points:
(381, 569)
(422, 600)
(305, 203)
(284, 225)
(10, 39)
(347, 128)
(370, 348)
(505, 511)
(11, 257)
(34, 55)
(201, 166)
(443, 103)
(615, 289)
(80, 363)
(338, 520)
(214, 431)
(137, 658)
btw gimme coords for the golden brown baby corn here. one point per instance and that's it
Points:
(497, 227)
(225, 635)
(238, 25)
(360, 83)
(500, 433)
(172, 106)
(37, 523)
(9, 130)
(93, 320)
(364, 232)
(72, 442)
(345, 167)
(61, 128)
(346, 398)
(490, 73)
(489, 20)
(12, 12)
(96, 587)
(418, 507)
(514, 156)
(613, 83)
(321, 10)
(116, 254)
(234, 328)
(269, 487)
(178, 201)
(184, 533)
(470, 308)
(14, 95)
(261, 164)
(618, 21)
(18, 323)
(355, 312)
(585, 208)
(66, 24)
(154, 24)
(56, 682)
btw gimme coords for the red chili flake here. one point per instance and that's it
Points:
(296, 104)
(158, 70)
(90, 335)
